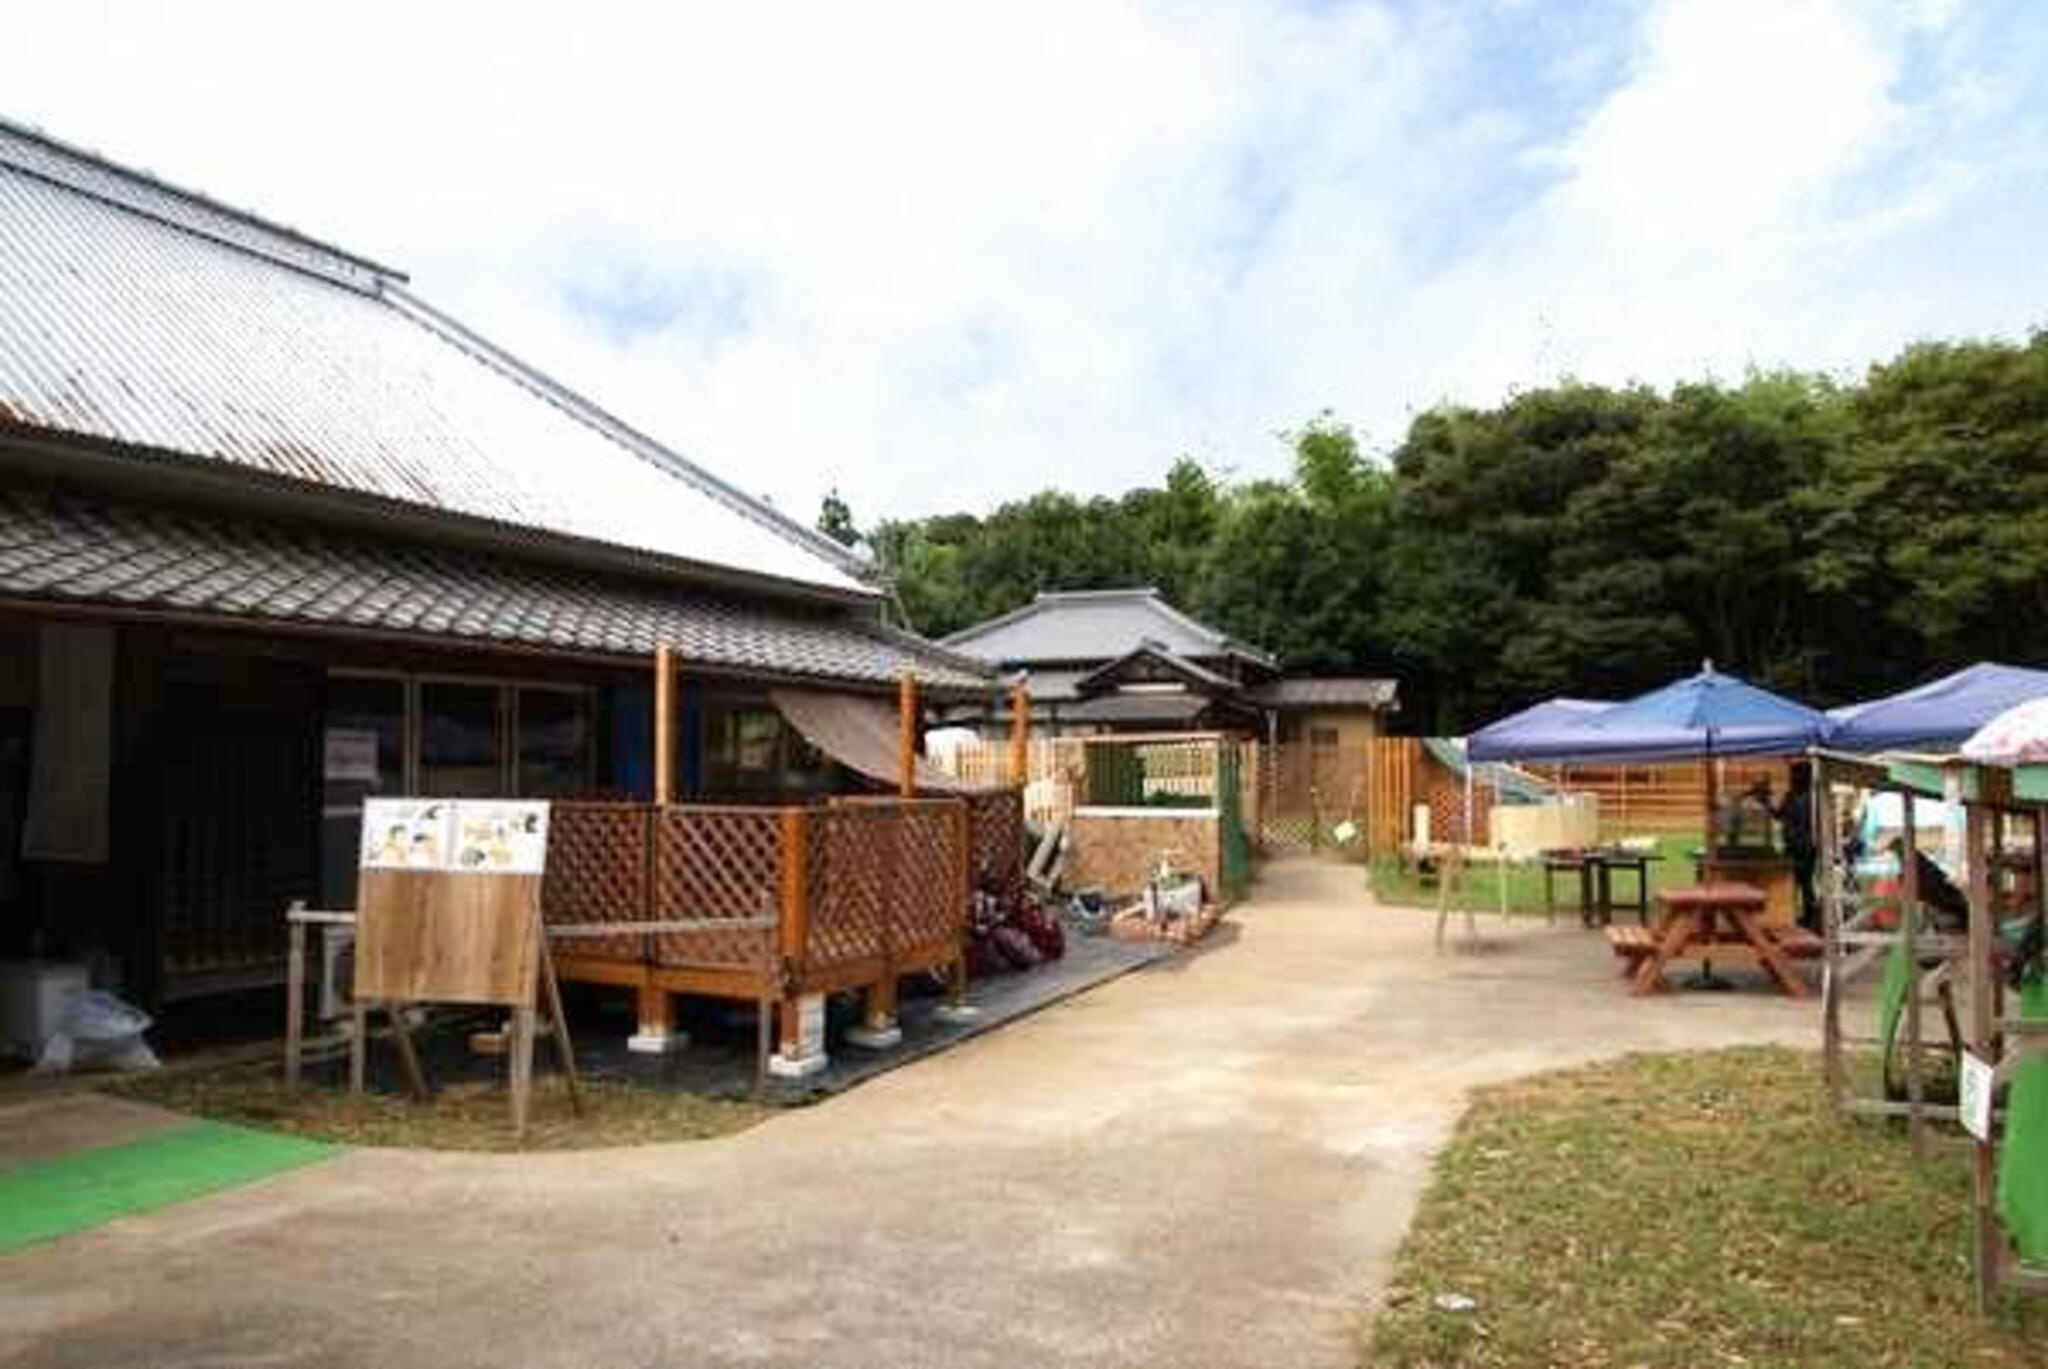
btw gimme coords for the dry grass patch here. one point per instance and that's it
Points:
(467, 1116)
(1690, 1210)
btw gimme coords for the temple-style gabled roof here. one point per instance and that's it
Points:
(1098, 625)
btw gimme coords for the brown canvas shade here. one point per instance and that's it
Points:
(861, 733)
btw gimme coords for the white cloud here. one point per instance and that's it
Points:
(939, 254)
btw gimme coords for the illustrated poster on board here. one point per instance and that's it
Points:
(500, 837)
(407, 834)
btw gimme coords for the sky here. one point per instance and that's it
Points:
(938, 255)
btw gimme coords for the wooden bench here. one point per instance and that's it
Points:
(1631, 943)
(1799, 943)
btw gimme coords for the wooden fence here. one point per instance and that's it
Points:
(1053, 769)
(1652, 799)
(1353, 800)
(1299, 795)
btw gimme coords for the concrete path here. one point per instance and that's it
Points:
(1208, 1163)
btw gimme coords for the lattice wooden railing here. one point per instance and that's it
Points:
(852, 850)
(995, 822)
(930, 904)
(881, 877)
(597, 872)
(719, 863)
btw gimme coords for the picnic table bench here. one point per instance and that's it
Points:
(1714, 922)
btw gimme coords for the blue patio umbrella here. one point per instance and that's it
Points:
(1706, 715)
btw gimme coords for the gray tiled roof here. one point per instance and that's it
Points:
(1136, 708)
(1095, 625)
(142, 316)
(1192, 671)
(1336, 691)
(78, 550)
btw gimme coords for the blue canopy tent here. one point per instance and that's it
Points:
(1708, 714)
(1705, 714)
(1701, 717)
(1530, 734)
(1939, 714)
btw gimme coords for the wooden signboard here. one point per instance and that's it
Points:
(448, 911)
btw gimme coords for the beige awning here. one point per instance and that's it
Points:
(862, 734)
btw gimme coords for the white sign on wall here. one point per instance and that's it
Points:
(350, 755)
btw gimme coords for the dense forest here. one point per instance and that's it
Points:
(1831, 540)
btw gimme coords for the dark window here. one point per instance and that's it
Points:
(460, 755)
(554, 743)
(751, 751)
(363, 753)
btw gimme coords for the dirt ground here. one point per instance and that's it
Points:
(1207, 1163)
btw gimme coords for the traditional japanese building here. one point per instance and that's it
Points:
(277, 534)
(1125, 660)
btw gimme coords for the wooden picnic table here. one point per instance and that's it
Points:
(1595, 867)
(1722, 921)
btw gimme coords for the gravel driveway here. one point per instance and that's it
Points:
(1208, 1163)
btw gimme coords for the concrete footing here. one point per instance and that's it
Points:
(657, 1042)
(875, 1036)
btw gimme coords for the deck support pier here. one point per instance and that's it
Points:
(657, 1034)
(878, 1030)
(956, 1008)
(802, 1049)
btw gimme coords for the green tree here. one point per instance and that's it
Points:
(1832, 540)
(1932, 520)
(835, 520)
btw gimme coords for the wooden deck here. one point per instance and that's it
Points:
(851, 894)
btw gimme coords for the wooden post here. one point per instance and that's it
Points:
(794, 929)
(766, 992)
(565, 1049)
(1020, 735)
(1713, 794)
(1831, 985)
(906, 734)
(664, 726)
(963, 894)
(295, 994)
(1983, 1026)
(358, 1045)
(1909, 927)
(655, 1014)
(522, 1068)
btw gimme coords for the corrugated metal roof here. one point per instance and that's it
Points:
(90, 551)
(1095, 625)
(138, 314)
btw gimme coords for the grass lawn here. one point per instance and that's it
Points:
(467, 1116)
(1690, 1210)
(1525, 882)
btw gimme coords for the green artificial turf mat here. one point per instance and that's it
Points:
(52, 1198)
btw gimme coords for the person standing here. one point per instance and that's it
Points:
(1795, 831)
